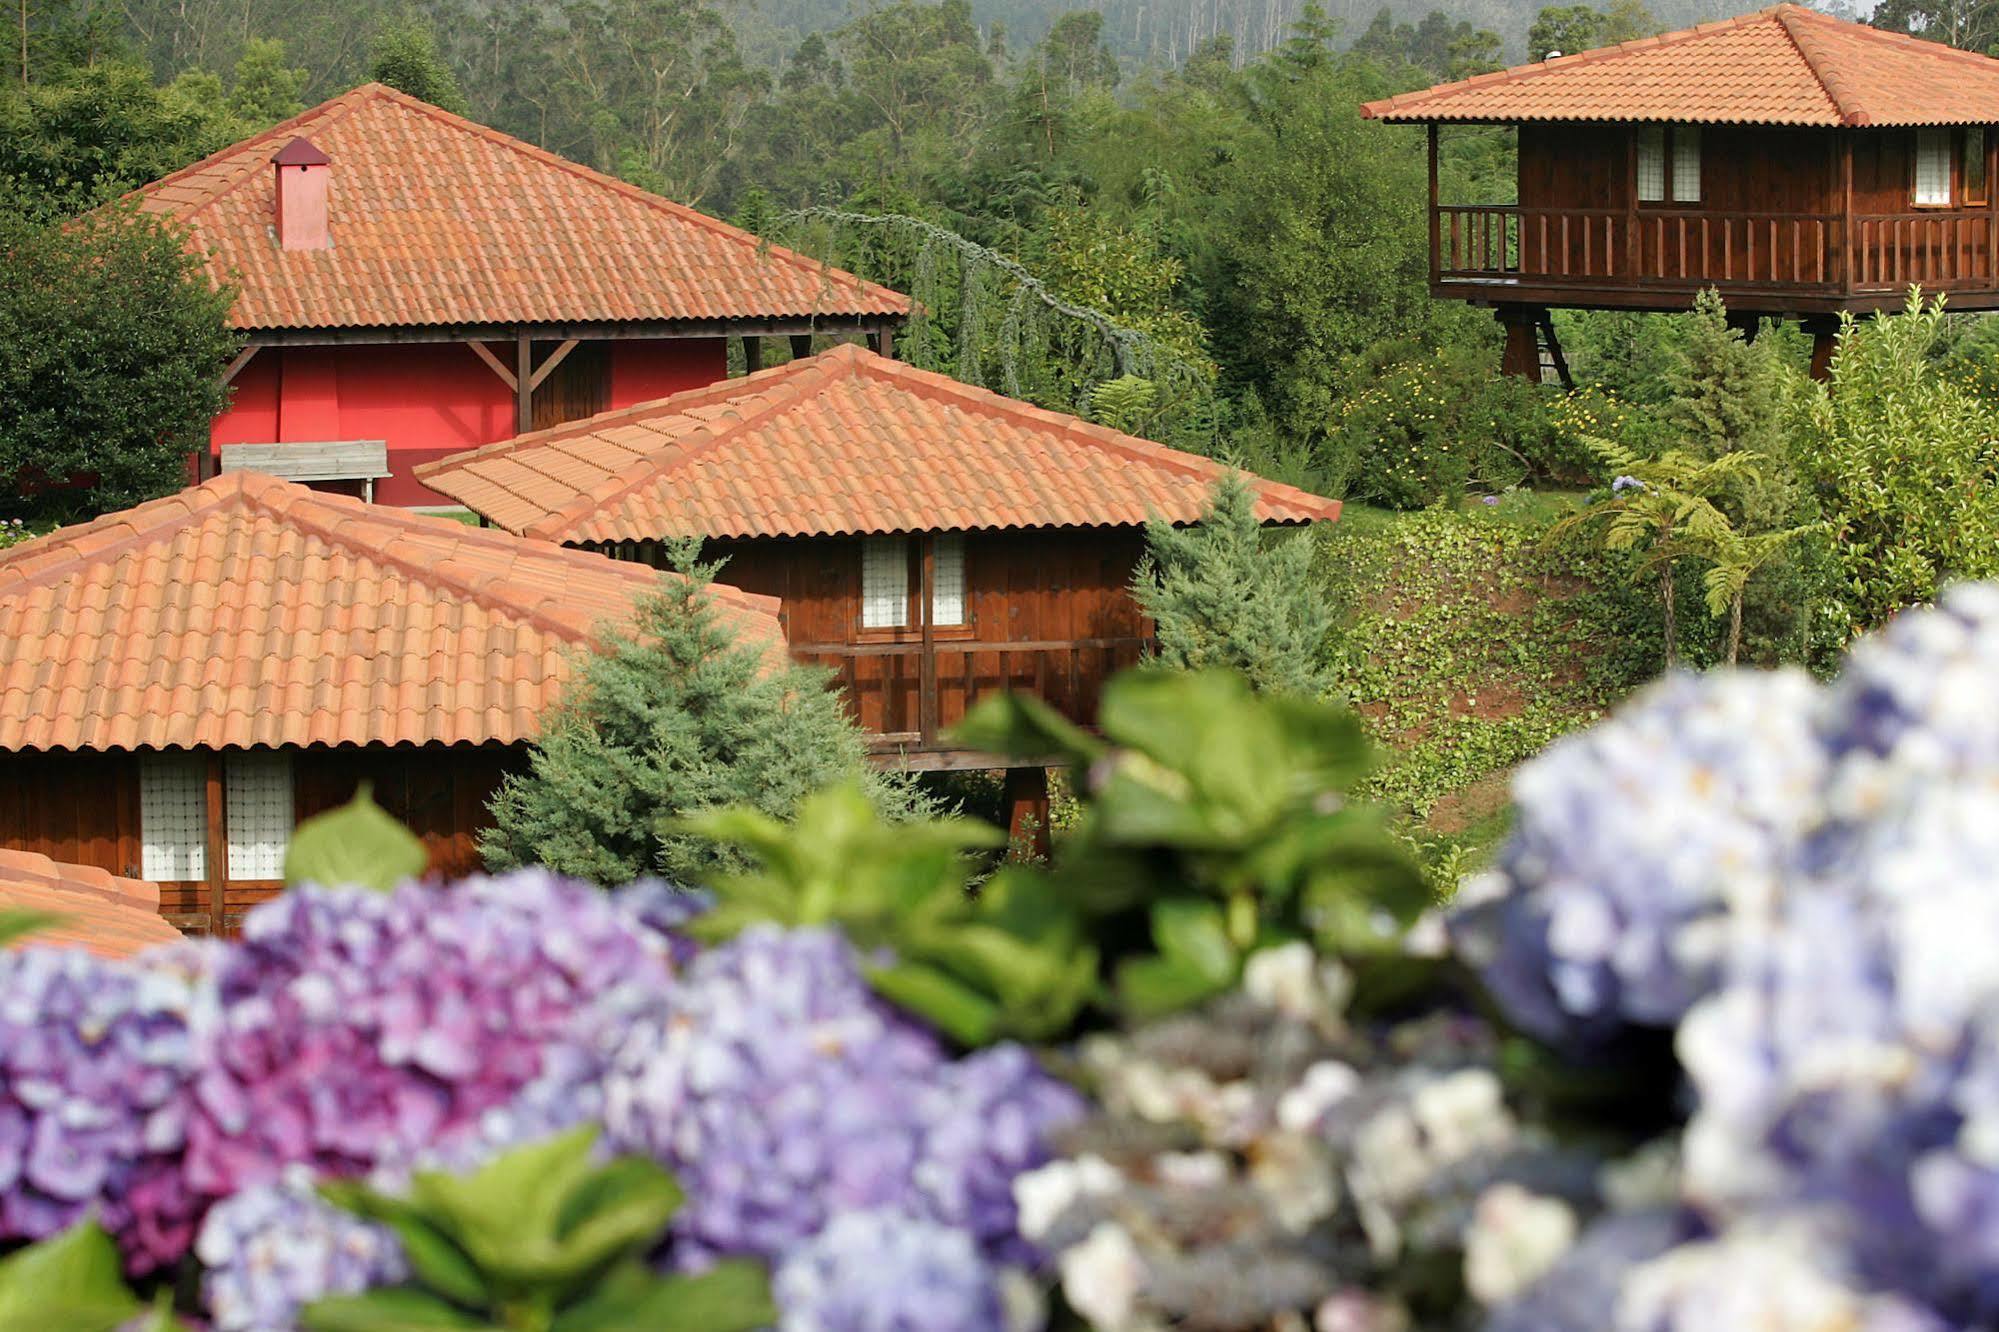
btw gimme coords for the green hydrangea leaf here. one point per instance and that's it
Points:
(73, 1281)
(358, 844)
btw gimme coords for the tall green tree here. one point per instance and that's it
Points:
(670, 718)
(405, 56)
(1225, 593)
(111, 340)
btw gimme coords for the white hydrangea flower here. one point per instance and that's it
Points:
(1514, 1238)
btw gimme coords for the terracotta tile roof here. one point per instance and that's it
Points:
(437, 220)
(838, 443)
(251, 611)
(101, 913)
(1787, 65)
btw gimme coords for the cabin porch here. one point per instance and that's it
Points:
(1776, 262)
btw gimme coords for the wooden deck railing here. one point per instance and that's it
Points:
(907, 699)
(1693, 248)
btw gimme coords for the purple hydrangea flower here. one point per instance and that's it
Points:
(96, 1060)
(989, 1118)
(778, 1088)
(360, 1028)
(1624, 483)
(882, 1271)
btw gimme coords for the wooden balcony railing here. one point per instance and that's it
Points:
(907, 699)
(1692, 248)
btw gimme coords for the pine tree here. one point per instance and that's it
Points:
(1225, 593)
(1724, 389)
(671, 718)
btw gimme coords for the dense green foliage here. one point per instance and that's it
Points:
(1904, 460)
(1225, 593)
(1467, 642)
(112, 336)
(1207, 829)
(669, 718)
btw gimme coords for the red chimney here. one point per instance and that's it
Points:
(304, 173)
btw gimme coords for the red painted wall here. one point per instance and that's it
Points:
(426, 399)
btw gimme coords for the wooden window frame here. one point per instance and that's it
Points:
(1667, 134)
(1962, 159)
(1953, 151)
(911, 630)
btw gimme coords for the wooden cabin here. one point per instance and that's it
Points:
(1801, 164)
(411, 284)
(930, 542)
(183, 682)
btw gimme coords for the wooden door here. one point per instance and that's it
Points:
(578, 387)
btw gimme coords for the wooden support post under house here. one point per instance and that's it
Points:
(1522, 356)
(753, 355)
(1436, 221)
(523, 382)
(1027, 814)
(1824, 334)
(882, 342)
(216, 851)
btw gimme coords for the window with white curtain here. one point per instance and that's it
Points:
(173, 817)
(947, 581)
(1651, 164)
(884, 582)
(257, 788)
(1686, 164)
(1932, 166)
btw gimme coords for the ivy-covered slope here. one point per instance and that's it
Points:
(1468, 642)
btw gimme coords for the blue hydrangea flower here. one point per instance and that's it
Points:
(1635, 842)
(275, 1248)
(883, 1271)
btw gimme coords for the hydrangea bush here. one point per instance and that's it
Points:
(1715, 1046)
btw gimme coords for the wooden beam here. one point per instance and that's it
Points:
(217, 849)
(242, 359)
(882, 342)
(493, 363)
(753, 355)
(1846, 238)
(801, 346)
(523, 382)
(554, 359)
(1027, 835)
(926, 680)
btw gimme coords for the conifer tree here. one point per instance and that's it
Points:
(674, 717)
(1225, 593)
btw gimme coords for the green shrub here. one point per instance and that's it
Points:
(1434, 427)
(1903, 459)
(669, 719)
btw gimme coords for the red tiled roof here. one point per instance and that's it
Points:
(100, 912)
(839, 443)
(437, 220)
(251, 611)
(1786, 65)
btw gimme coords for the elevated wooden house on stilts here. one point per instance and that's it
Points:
(929, 542)
(1803, 165)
